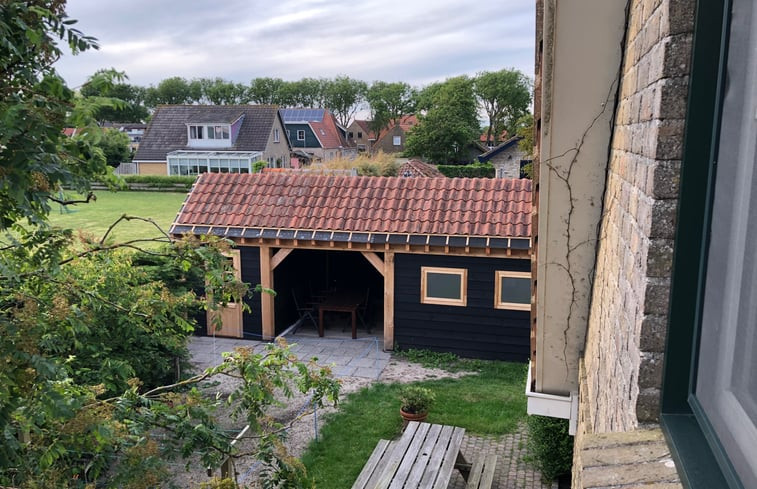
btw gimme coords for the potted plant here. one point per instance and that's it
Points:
(414, 403)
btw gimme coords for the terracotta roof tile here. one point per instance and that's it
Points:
(449, 206)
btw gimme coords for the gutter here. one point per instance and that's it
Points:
(553, 406)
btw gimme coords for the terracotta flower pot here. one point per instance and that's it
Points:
(407, 417)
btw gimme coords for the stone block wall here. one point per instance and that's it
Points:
(624, 347)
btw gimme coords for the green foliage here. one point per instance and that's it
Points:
(257, 166)
(218, 91)
(389, 102)
(428, 358)
(343, 96)
(174, 90)
(477, 170)
(525, 129)
(115, 147)
(161, 181)
(505, 96)
(132, 96)
(550, 447)
(449, 126)
(415, 399)
(34, 105)
(265, 90)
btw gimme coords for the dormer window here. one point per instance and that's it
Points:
(209, 135)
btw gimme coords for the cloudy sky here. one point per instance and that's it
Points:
(417, 41)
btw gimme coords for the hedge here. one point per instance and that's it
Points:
(549, 446)
(477, 170)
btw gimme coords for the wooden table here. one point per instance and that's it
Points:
(341, 301)
(423, 458)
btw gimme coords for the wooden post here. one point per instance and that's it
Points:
(266, 300)
(389, 300)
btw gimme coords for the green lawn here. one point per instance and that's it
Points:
(95, 217)
(489, 403)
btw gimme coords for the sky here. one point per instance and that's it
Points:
(415, 41)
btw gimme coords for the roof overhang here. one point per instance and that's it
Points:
(213, 153)
(514, 247)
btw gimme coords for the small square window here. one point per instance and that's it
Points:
(512, 290)
(397, 140)
(444, 286)
(359, 135)
(300, 135)
(349, 135)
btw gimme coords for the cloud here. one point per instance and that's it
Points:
(417, 42)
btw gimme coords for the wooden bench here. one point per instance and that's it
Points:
(481, 474)
(371, 464)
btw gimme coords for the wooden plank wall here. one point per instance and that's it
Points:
(250, 256)
(475, 331)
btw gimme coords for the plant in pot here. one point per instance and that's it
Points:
(414, 403)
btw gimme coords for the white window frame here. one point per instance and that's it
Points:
(515, 306)
(276, 136)
(397, 140)
(300, 132)
(461, 272)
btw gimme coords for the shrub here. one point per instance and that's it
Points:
(415, 399)
(380, 164)
(161, 181)
(476, 170)
(550, 447)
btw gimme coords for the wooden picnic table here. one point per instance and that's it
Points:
(423, 458)
(341, 301)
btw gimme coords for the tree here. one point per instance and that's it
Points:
(449, 126)
(389, 102)
(132, 96)
(505, 96)
(174, 90)
(343, 96)
(115, 146)
(265, 90)
(307, 92)
(218, 91)
(81, 405)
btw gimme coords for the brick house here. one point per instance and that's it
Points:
(360, 135)
(316, 133)
(643, 330)
(392, 139)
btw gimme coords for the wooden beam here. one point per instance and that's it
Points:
(377, 262)
(279, 257)
(389, 300)
(266, 300)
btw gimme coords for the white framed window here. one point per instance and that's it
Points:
(397, 140)
(444, 286)
(276, 136)
(195, 132)
(512, 290)
(218, 132)
(300, 135)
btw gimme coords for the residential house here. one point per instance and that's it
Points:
(507, 158)
(360, 135)
(418, 168)
(449, 274)
(392, 139)
(317, 133)
(496, 140)
(193, 139)
(644, 214)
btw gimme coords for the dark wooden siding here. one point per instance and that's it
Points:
(475, 331)
(311, 141)
(250, 258)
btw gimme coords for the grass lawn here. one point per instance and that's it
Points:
(489, 403)
(95, 217)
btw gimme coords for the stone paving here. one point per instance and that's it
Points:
(364, 358)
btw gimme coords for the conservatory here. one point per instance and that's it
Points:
(195, 162)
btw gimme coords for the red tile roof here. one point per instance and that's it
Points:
(445, 206)
(405, 123)
(328, 133)
(418, 168)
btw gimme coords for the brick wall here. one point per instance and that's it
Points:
(625, 339)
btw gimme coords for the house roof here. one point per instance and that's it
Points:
(365, 126)
(321, 122)
(499, 148)
(405, 123)
(167, 130)
(231, 204)
(502, 137)
(417, 168)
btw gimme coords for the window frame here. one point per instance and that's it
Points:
(700, 458)
(300, 132)
(512, 306)
(397, 140)
(440, 301)
(276, 135)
